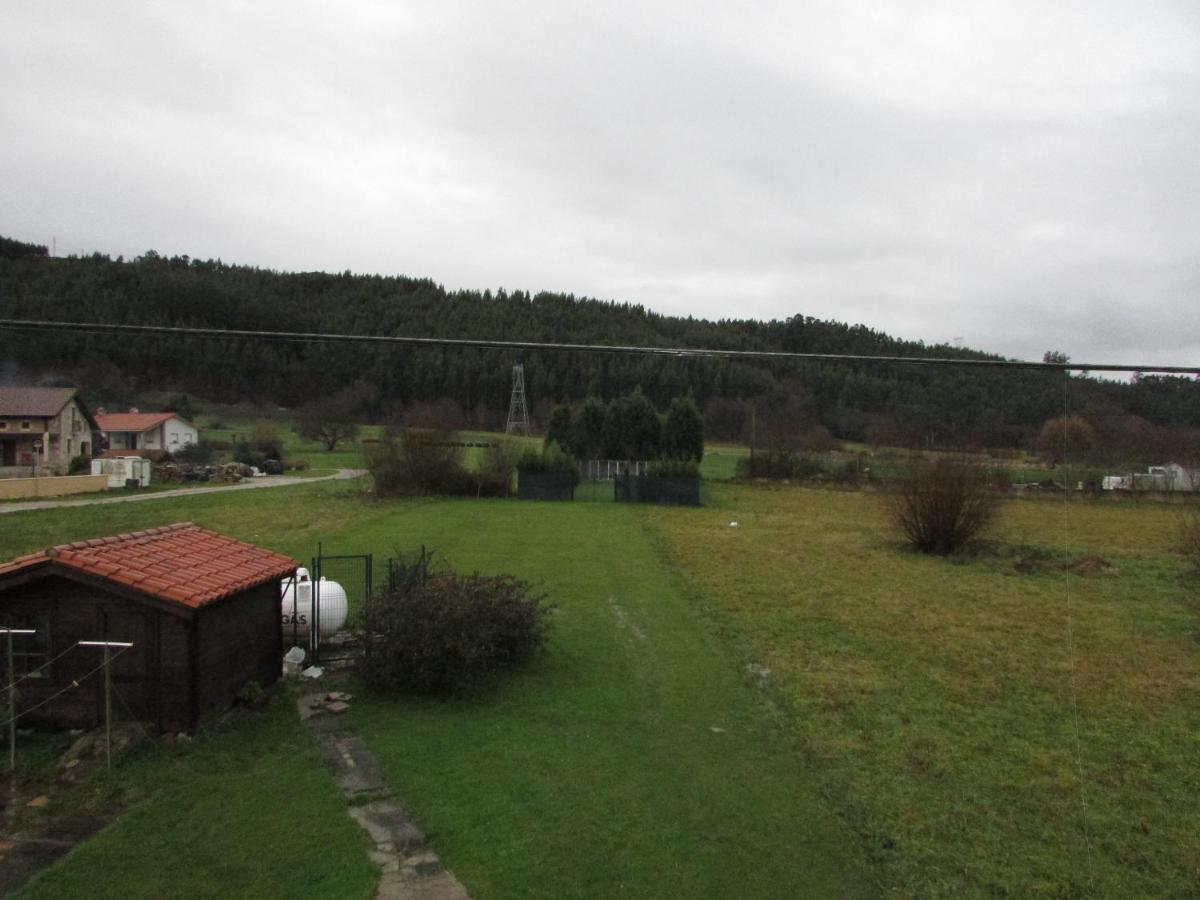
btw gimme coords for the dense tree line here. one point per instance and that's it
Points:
(788, 403)
(628, 428)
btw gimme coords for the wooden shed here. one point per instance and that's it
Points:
(200, 608)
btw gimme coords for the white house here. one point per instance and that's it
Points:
(1171, 477)
(1179, 478)
(146, 434)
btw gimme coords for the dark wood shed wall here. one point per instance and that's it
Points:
(64, 612)
(237, 640)
(183, 668)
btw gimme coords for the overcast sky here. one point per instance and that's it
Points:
(1018, 175)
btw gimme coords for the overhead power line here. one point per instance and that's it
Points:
(546, 346)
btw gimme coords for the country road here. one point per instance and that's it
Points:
(256, 484)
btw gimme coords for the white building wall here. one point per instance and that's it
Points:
(177, 434)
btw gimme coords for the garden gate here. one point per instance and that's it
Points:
(355, 574)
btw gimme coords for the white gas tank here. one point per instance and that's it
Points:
(298, 605)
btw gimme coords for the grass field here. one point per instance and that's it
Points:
(988, 733)
(928, 727)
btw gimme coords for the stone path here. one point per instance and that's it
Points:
(411, 870)
(270, 481)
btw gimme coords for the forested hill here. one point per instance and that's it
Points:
(940, 406)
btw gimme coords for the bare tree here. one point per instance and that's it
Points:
(329, 420)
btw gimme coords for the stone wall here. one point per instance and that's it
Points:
(30, 488)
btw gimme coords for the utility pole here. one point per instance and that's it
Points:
(12, 697)
(107, 645)
(518, 410)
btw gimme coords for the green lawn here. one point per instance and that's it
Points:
(637, 759)
(929, 727)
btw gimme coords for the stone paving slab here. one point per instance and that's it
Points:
(352, 765)
(410, 869)
(443, 886)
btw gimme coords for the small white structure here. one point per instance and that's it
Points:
(123, 468)
(301, 604)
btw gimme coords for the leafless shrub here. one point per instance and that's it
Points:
(417, 461)
(943, 504)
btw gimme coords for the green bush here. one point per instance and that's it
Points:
(444, 633)
(779, 464)
(244, 452)
(79, 465)
(551, 458)
(201, 453)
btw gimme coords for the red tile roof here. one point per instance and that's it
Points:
(133, 421)
(182, 563)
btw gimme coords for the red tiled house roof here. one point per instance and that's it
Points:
(132, 421)
(180, 563)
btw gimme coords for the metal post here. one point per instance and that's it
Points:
(12, 710)
(107, 710)
(12, 696)
(107, 645)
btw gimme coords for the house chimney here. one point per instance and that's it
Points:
(101, 411)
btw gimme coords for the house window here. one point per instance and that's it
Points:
(174, 437)
(25, 425)
(3, 426)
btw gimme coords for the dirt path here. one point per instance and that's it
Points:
(268, 482)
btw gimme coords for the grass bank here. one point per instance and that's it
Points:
(246, 810)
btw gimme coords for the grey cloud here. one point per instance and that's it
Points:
(1021, 174)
